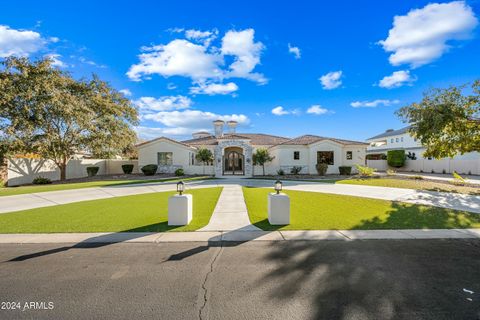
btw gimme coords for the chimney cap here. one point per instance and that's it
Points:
(232, 122)
(219, 122)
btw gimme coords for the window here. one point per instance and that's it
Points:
(396, 140)
(325, 157)
(296, 155)
(165, 158)
(193, 158)
(391, 140)
(349, 155)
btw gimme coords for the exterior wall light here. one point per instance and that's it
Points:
(278, 186)
(180, 187)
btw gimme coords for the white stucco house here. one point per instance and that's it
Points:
(233, 152)
(468, 163)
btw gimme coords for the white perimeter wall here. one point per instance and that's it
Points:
(462, 166)
(23, 171)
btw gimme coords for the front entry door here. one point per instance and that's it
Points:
(233, 163)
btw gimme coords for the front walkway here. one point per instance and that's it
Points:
(439, 199)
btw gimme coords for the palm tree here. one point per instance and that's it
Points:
(205, 156)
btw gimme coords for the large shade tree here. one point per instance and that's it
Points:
(446, 121)
(45, 111)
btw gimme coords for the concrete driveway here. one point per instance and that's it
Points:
(371, 279)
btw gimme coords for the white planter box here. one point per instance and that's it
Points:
(180, 210)
(278, 209)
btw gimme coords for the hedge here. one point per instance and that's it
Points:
(396, 158)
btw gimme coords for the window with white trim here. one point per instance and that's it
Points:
(165, 158)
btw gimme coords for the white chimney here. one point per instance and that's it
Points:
(218, 126)
(232, 125)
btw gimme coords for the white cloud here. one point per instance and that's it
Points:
(155, 132)
(295, 51)
(374, 103)
(279, 111)
(422, 35)
(56, 62)
(331, 80)
(202, 63)
(205, 37)
(318, 110)
(242, 46)
(19, 42)
(147, 105)
(214, 88)
(397, 79)
(188, 121)
(126, 92)
(171, 86)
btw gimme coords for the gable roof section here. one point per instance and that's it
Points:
(309, 139)
(390, 133)
(257, 139)
(163, 138)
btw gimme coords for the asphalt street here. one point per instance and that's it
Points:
(375, 279)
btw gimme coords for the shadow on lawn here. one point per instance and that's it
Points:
(408, 216)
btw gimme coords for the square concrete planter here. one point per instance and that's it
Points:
(278, 209)
(180, 210)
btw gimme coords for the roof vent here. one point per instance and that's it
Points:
(389, 130)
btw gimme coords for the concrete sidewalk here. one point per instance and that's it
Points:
(238, 236)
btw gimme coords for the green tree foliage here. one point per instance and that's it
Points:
(446, 121)
(261, 157)
(44, 111)
(396, 158)
(205, 156)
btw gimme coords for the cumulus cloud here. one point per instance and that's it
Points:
(126, 92)
(56, 62)
(214, 88)
(295, 51)
(421, 36)
(397, 79)
(317, 110)
(374, 103)
(166, 103)
(331, 80)
(205, 37)
(19, 42)
(202, 62)
(279, 111)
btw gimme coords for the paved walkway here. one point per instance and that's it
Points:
(440, 199)
(230, 212)
(239, 236)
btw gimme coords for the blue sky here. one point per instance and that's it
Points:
(336, 69)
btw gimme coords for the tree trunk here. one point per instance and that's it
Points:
(263, 169)
(63, 170)
(204, 168)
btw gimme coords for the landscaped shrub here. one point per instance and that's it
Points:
(127, 168)
(41, 180)
(391, 172)
(345, 170)
(321, 168)
(92, 171)
(396, 158)
(458, 180)
(149, 169)
(295, 170)
(365, 171)
(280, 172)
(179, 172)
(416, 177)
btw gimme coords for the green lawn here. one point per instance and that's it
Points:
(406, 183)
(320, 211)
(10, 191)
(139, 213)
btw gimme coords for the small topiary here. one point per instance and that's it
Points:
(396, 158)
(345, 170)
(149, 169)
(321, 168)
(295, 170)
(179, 172)
(280, 172)
(92, 171)
(127, 168)
(41, 180)
(365, 171)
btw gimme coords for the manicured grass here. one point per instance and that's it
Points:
(320, 211)
(406, 183)
(139, 213)
(10, 191)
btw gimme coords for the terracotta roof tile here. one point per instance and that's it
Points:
(256, 139)
(309, 139)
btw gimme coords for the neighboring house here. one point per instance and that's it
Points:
(401, 139)
(233, 152)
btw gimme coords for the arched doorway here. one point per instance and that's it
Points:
(233, 161)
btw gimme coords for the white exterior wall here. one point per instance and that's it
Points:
(462, 166)
(148, 154)
(23, 171)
